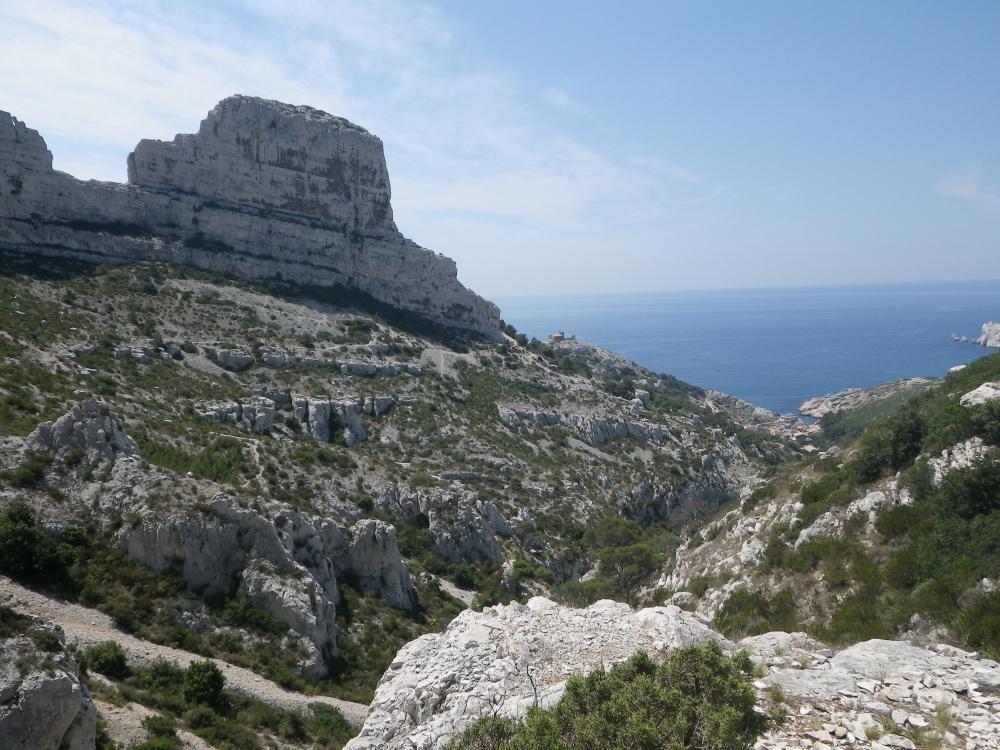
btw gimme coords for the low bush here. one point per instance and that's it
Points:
(107, 658)
(30, 472)
(748, 612)
(203, 683)
(698, 698)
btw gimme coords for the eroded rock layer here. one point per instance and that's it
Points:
(263, 191)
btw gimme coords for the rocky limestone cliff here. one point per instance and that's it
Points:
(286, 562)
(263, 191)
(990, 335)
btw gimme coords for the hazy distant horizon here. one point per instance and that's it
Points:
(776, 348)
(760, 289)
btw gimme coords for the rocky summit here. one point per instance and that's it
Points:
(263, 191)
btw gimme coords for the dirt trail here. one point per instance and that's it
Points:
(86, 627)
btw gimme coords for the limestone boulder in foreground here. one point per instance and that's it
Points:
(506, 659)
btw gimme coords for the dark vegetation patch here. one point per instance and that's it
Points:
(697, 698)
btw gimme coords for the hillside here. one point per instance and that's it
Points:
(892, 535)
(283, 448)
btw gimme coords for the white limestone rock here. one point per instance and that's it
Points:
(43, 704)
(375, 562)
(464, 526)
(506, 658)
(264, 190)
(378, 405)
(990, 335)
(293, 597)
(959, 456)
(89, 430)
(983, 394)
(255, 414)
(347, 414)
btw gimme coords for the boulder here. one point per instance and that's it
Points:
(347, 413)
(43, 704)
(376, 564)
(983, 394)
(378, 405)
(233, 359)
(362, 369)
(294, 598)
(507, 659)
(319, 411)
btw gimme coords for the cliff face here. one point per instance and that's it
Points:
(263, 190)
(990, 335)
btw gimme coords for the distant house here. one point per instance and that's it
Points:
(555, 338)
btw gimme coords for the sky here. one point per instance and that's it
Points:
(585, 146)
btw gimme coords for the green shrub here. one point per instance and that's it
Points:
(489, 733)
(203, 683)
(628, 567)
(160, 726)
(30, 472)
(748, 612)
(897, 520)
(45, 640)
(697, 699)
(158, 743)
(974, 491)
(107, 658)
(12, 623)
(980, 623)
(986, 421)
(27, 552)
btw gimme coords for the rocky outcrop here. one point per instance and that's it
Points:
(959, 456)
(262, 191)
(507, 659)
(376, 565)
(464, 526)
(322, 416)
(255, 414)
(852, 399)
(43, 704)
(287, 562)
(234, 359)
(297, 601)
(983, 394)
(990, 335)
(88, 431)
(594, 429)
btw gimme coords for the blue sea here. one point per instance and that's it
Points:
(776, 347)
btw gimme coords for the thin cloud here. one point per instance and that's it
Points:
(461, 141)
(562, 100)
(966, 185)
